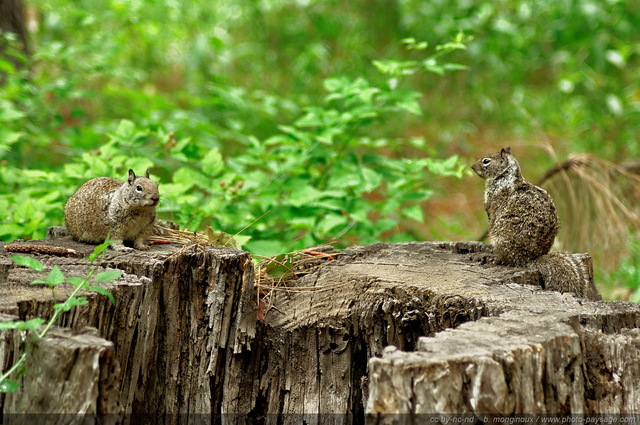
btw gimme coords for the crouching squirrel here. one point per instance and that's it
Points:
(125, 211)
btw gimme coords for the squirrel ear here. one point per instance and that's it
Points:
(505, 150)
(147, 173)
(132, 176)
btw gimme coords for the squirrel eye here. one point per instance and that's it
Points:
(139, 188)
(486, 161)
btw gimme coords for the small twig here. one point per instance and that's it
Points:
(556, 169)
(247, 226)
(40, 249)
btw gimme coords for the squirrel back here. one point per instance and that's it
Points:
(104, 206)
(523, 224)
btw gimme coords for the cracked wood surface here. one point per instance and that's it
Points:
(384, 329)
(467, 336)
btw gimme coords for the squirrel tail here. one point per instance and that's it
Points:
(564, 272)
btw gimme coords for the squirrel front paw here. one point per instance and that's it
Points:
(119, 246)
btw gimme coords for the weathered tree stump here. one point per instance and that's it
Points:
(516, 348)
(179, 313)
(68, 373)
(385, 329)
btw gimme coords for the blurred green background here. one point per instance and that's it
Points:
(300, 122)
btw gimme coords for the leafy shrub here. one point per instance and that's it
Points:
(235, 79)
(319, 178)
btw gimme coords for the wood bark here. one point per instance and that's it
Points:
(383, 332)
(179, 313)
(13, 20)
(68, 373)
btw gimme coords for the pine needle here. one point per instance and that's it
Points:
(595, 199)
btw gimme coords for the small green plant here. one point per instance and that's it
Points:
(54, 278)
(625, 281)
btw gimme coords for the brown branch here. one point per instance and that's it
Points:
(40, 249)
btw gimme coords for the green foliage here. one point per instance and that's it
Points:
(628, 273)
(29, 325)
(54, 278)
(30, 262)
(549, 66)
(269, 114)
(320, 177)
(316, 179)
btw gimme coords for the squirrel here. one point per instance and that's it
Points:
(123, 211)
(523, 224)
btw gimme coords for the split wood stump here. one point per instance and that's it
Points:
(370, 332)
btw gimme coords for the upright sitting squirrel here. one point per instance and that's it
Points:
(523, 224)
(125, 211)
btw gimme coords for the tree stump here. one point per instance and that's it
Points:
(516, 348)
(386, 329)
(68, 373)
(179, 312)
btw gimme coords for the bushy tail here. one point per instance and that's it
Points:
(567, 273)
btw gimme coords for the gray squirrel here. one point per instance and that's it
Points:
(125, 211)
(523, 224)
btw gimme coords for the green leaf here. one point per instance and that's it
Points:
(76, 281)
(413, 212)
(410, 105)
(108, 276)
(126, 130)
(212, 163)
(455, 67)
(311, 119)
(330, 221)
(103, 291)
(279, 265)
(303, 195)
(55, 277)
(8, 112)
(265, 247)
(385, 224)
(359, 211)
(193, 177)
(432, 65)
(8, 386)
(401, 237)
(334, 84)
(29, 325)
(636, 296)
(241, 240)
(413, 45)
(32, 263)
(371, 179)
(343, 178)
(219, 238)
(99, 249)
(329, 204)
